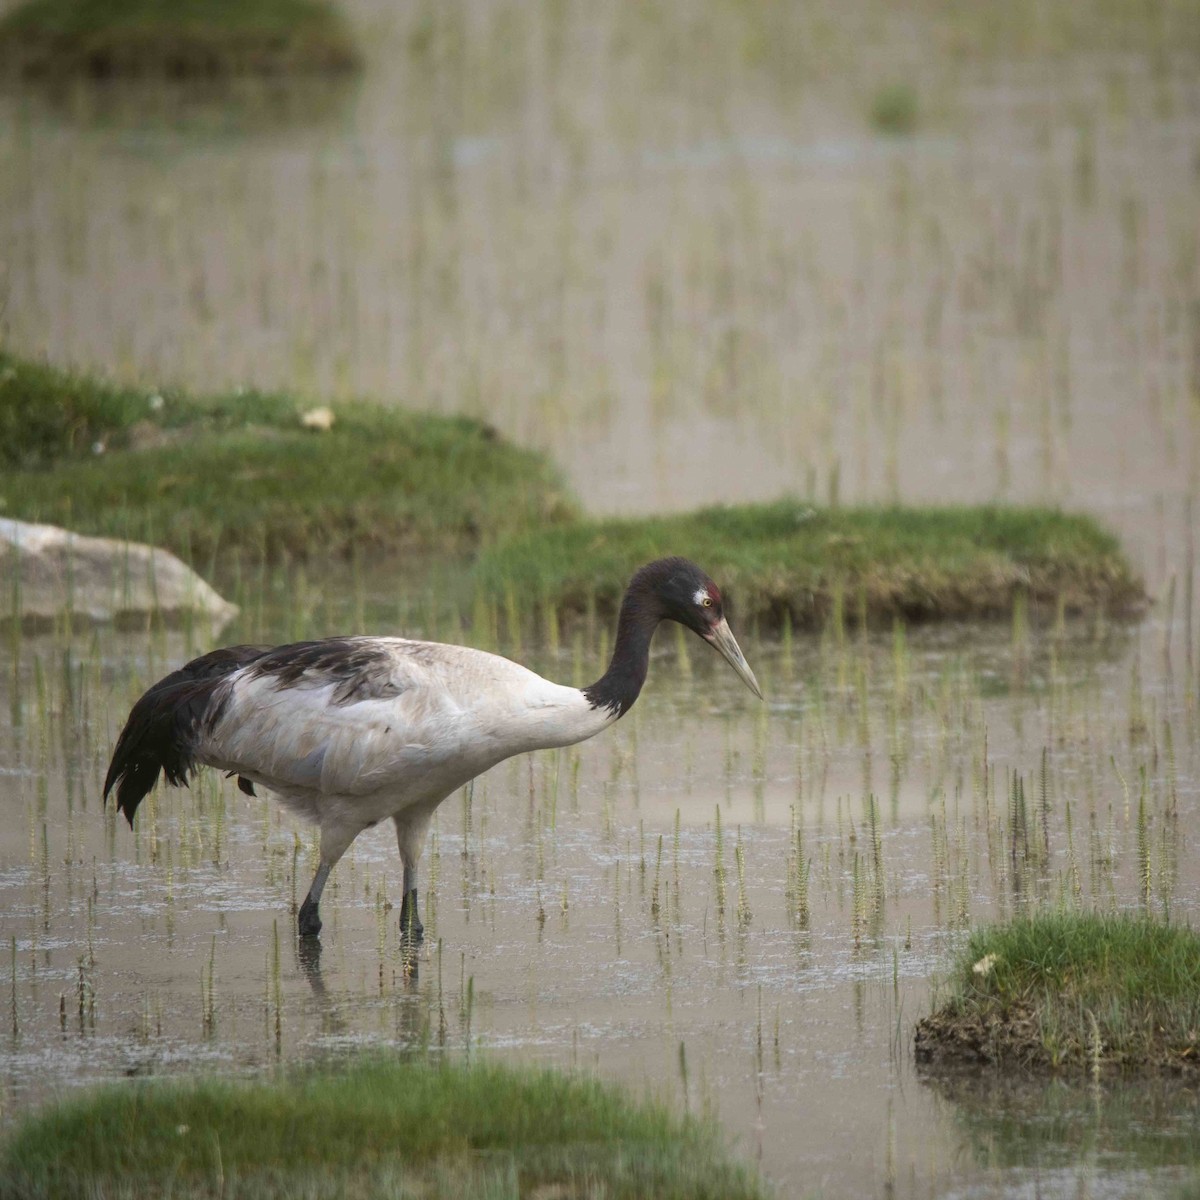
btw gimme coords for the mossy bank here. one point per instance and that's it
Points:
(225, 476)
(791, 563)
(370, 1128)
(100, 39)
(1071, 991)
(241, 473)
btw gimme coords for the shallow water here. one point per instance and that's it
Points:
(572, 904)
(676, 256)
(672, 252)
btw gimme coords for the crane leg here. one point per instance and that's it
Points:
(308, 923)
(335, 841)
(411, 824)
(410, 922)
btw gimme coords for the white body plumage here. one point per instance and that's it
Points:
(416, 722)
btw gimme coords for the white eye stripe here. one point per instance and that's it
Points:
(702, 597)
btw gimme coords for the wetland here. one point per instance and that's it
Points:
(739, 907)
(686, 261)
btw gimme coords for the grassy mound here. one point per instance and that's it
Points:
(377, 1127)
(205, 476)
(210, 476)
(173, 38)
(1071, 990)
(788, 561)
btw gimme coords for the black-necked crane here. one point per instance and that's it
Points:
(349, 731)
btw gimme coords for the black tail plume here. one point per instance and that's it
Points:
(160, 734)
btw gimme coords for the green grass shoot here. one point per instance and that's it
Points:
(371, 1127)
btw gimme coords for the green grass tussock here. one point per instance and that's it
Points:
(791, 561)
(1072, 990)
(47, 415)
(240, 472)
(373, 1127)
(173, 38)
(217, 476)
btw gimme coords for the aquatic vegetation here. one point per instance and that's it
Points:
(1075, 990)
(365, 1128)
(173, 39)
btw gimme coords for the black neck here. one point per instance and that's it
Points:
(620, 685)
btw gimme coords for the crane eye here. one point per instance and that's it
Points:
(707, 602)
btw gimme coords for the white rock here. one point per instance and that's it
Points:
(47, 574)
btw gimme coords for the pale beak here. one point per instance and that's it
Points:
(723, 640)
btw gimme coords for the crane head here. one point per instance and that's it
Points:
(684, 593)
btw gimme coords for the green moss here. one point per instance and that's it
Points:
(1072, 990)
(374, 1127)
(173, 38)
(788, 560)
(206, 476)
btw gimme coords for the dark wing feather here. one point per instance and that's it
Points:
(360, 668)
(159, 735)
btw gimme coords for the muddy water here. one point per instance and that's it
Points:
(575, 913)
(676, 255)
